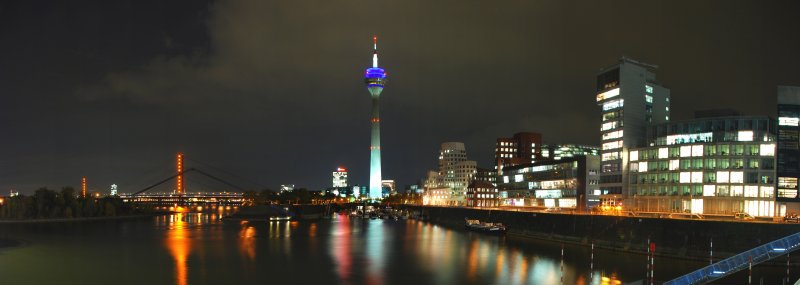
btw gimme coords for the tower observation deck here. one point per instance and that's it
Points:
(375, 78)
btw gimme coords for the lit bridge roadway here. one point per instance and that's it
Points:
(191, 201)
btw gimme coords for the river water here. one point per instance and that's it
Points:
(199, 248)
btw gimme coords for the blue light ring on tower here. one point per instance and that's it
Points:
(375, 72)
(375, 76)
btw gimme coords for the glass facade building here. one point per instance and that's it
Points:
(721, 165)
(566, 183)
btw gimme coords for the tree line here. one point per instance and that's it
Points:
(49, 204)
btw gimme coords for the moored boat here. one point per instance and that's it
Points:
(485, 227)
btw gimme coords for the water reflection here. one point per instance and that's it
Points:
(179, 244)
(247, 235)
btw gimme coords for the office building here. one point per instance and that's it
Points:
(524, 147)
(572, 182)
(559, 151)
(707, 165)
(631, 100)
(788, 153)
(340, 177)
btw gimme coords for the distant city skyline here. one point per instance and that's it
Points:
(111, 92)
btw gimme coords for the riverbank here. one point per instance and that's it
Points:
(82, 219)
(674, 238)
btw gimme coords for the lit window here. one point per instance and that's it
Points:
(612, 135)
(723, 176)
(505, 179)
(697, 150)
(685, 177)
(612, 145)
(613, 104)
(634, 155)
(674, 164)
(751, 191)
(609, 125)
(697, 177)
(610, 156)
(648, 89)
(648, 98)
(789, 121)
(686, 151)
(643, 166)
(745, 136)
(608, 94)
(663, 152)
(634, 167)
(767, 150)
(737, 177)
(518, 178)
(709, 190)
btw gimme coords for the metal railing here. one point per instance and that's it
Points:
(740, 261)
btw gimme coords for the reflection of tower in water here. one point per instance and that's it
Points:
(179, 245)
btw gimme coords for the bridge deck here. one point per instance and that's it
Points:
(740, 261)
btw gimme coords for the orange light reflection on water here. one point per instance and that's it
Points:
(179, 245)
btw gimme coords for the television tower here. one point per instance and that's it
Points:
(375, 78)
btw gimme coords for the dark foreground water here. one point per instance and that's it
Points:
(201, 249)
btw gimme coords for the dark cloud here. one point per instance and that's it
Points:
(272, 90)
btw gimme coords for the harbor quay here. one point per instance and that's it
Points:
(676, 238)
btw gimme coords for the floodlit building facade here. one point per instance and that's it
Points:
(455, 172)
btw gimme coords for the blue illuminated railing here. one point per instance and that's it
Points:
(740, 261)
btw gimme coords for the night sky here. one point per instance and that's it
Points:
(272, 92)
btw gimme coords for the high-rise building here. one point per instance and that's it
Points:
(340, 177)
(519, 149)
(788, 155)
(113, 189)
(375, 78)
(631, 99)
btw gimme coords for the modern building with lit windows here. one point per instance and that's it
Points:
(455, 172)
(559, 151)
(572, 182)
(707, 165)
(524, 147)
(788, 154)
(340, 177)
(482, 194)
(630, 99)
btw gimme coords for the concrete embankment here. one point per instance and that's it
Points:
(687, 239)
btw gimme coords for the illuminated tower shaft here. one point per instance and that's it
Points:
(179, 178)
(83, 187)
(375, 78)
